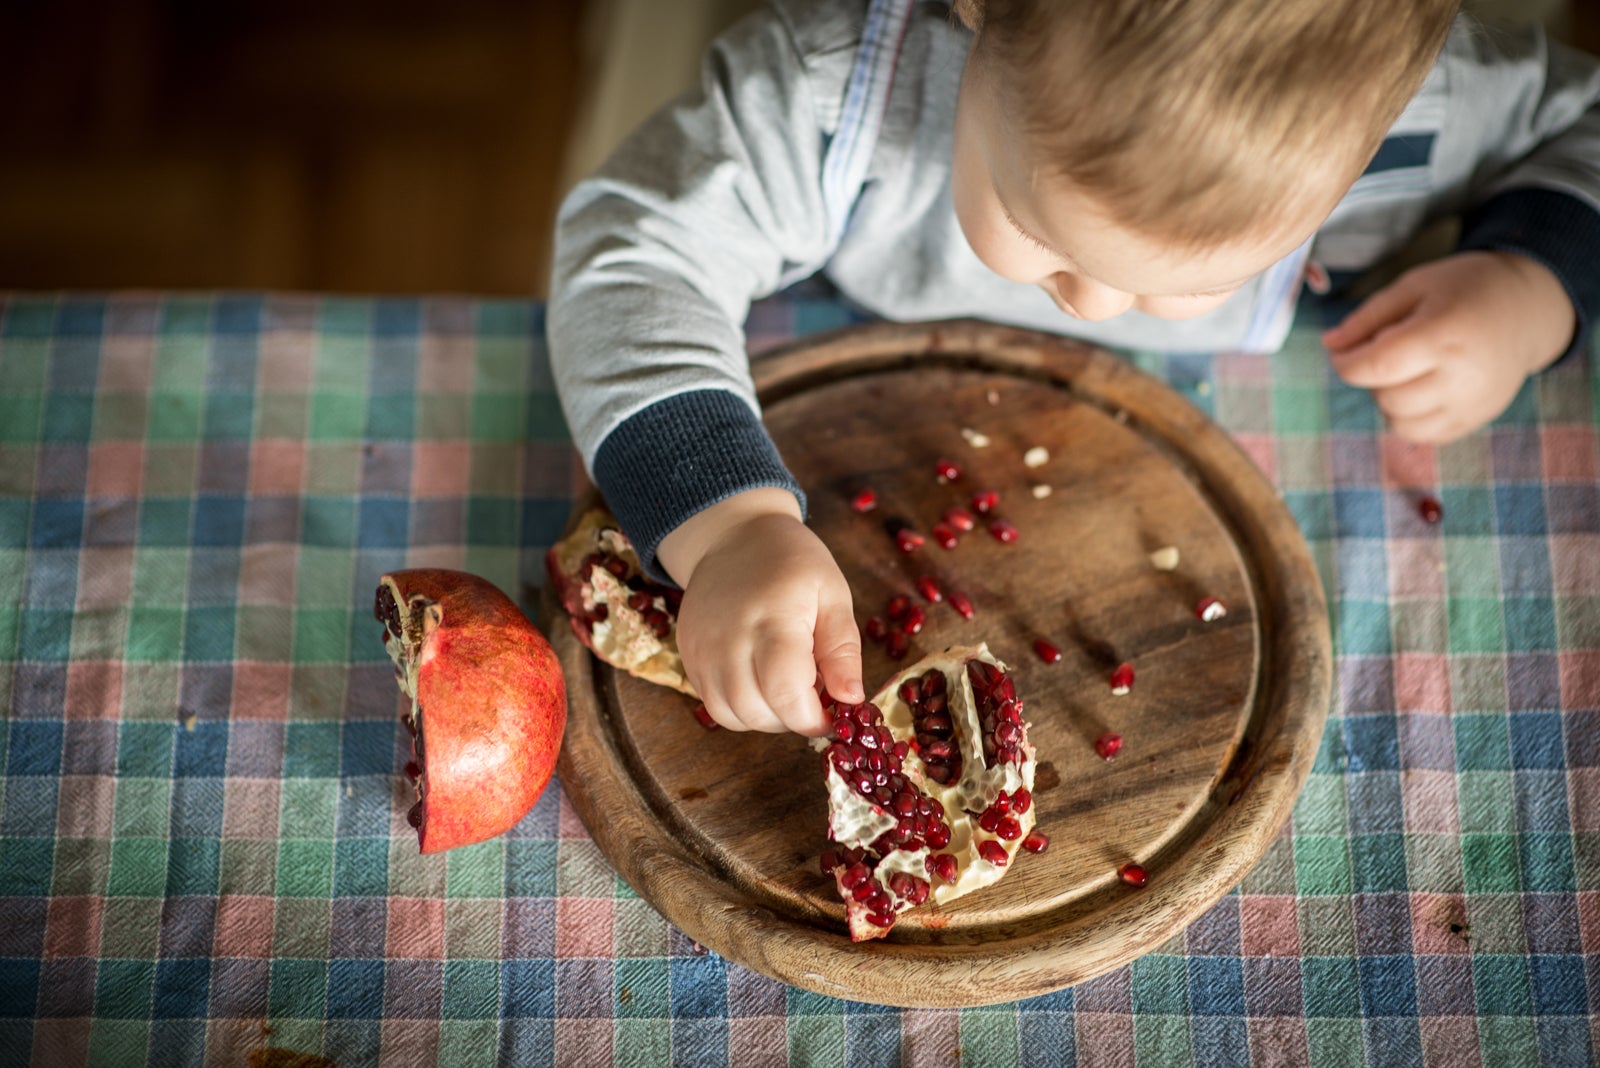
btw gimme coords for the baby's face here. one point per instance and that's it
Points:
(1038, 230)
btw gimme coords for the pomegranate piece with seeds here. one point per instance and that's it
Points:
(628, 620)
(488, 703)
(929, 787)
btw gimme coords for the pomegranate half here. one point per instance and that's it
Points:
(488, 703)
(930, 787)
(626, 619)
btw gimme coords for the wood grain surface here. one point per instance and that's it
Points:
(721, 831)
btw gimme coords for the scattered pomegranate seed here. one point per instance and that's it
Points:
(914, 618)
(1037, 456)
(1210, 609)
(1133, 875)
(897, 644)
(948, 472)
(705, 719)
(993, 852)
(899, 605)
(928, 586)
(959, 518)
(877, 629)
(1430, 510)
(1122, 679)
(1036, 842)
(1004, 530)
(945, 536)
(908, 540)
(984, 501)
(865, 500)
(1165, 558)
(1047, 652)
(1108, 745)
(960, 603)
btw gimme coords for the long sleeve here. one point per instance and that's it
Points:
(709, 205)
(1526, 112)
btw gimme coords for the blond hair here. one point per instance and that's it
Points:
(1197, 120)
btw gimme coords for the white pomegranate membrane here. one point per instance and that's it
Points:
(629, 621)
(929, 787)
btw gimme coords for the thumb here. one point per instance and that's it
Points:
(1387, 306)
(838, 647)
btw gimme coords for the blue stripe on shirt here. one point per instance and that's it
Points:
(1401, 151)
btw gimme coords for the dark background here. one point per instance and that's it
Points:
(331, 145)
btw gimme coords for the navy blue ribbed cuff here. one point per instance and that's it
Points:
(680, 456)
(1553, 228)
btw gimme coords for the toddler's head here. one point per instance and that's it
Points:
(1156, 154)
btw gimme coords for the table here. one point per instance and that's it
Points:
(203, 851)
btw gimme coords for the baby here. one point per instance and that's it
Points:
(1158, 174)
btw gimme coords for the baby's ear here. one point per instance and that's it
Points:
(968, 12)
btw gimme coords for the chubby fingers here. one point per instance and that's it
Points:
(837, 645)
(785, 676)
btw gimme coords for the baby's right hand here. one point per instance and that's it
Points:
(764, 609)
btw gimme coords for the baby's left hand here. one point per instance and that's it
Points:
(1447, 345)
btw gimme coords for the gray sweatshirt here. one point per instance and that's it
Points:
(719, 199)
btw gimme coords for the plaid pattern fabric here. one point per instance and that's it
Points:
(202, 841)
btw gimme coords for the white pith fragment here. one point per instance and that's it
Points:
(1165, 558)
(1037, 456)
(852, 819)
(977, 439)
(1040, 491)
(623, 638)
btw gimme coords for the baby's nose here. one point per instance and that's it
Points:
(1087, 298)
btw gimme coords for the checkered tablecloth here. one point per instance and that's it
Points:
(203, 852)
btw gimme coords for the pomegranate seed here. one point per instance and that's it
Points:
(984, 501)
(897, 644)
(959, 518)
(413, 770)
(828, 861)
(993, 852)
(907, 540)
(865, 500)
(1108, 745)
(1002, 803)
(1133, 875)
(948, 472)
(1021, 800)
(960, 603)
(855, 875)
(899, 605)
(1047, 652)
(928, 586)
(914, 618)
(1122, 679)
(938, 836)
(414, 815)
(877, 629)
(945, 536)
(705, 719)
(1009, 829)
(942, 866)
(1004, 530)
(1430, 510)
(990, 819)
(1210, 609)
(881, 919)
(1036, 842)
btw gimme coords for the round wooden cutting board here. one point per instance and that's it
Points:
(721, 831)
